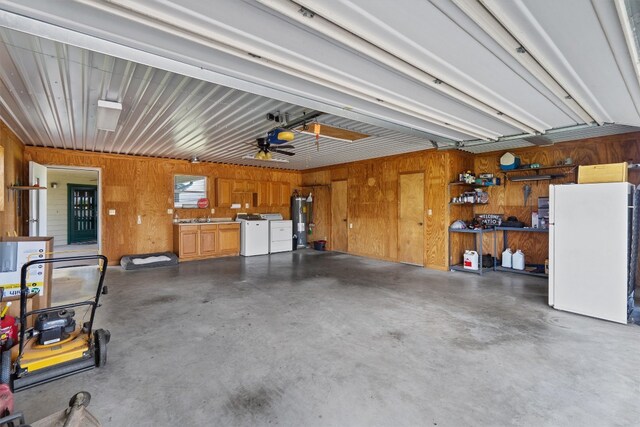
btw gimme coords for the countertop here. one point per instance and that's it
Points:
(213, 221)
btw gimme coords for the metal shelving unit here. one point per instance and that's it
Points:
(478, 248)
(505, 245)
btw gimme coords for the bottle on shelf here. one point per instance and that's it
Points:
(518, 260)
(507, 256)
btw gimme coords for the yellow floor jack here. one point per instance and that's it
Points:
(55, 347)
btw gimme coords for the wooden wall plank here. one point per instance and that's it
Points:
(13, 172)
(144, 186)
(508, 199)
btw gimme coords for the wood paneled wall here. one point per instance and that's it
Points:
(373, 196)
(144, 186)
(508, 199)
(373, 201)
(11, 216)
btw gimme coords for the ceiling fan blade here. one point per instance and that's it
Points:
(284, 146)
(287, 153)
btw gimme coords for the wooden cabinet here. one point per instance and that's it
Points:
(208, 239)
(224, 190)
(229, 239)
(285, 194)
(188, 242)
(250, 186)
(259, 194)
(198, 241)
(263, 195)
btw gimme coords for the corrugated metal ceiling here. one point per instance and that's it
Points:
(198, 80)
(50, 92)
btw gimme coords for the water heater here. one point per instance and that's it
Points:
(300, 219)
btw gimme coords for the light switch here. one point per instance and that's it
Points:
(429, 212)
(246, 205)
(169, 211)
(350, 225)
(139, 219)
(213, 211)
(112, 211)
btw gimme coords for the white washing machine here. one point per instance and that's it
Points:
(280, 233)
(254, 235)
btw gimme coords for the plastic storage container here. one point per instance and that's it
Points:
(518, 260)
(470, 260)
(507, 257)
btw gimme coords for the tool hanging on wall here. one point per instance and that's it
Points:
(527, 192)
(310, 213)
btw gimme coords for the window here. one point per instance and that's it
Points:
(188, 189)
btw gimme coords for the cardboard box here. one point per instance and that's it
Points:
(612, 172)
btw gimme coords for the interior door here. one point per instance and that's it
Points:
(411, 219)
(339, 225)
(37, 200)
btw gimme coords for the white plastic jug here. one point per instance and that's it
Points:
(470, 260)
(506, 258)
(518, 260)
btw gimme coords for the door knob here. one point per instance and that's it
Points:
(345, 220)
(419, 223)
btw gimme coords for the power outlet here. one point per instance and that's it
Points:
(139, 219)
(213, 210)
(169, 211)
(429, 212)
(350, 225)
(112, 212)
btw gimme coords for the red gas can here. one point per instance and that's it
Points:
(8, 331)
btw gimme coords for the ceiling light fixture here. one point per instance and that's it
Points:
(194, 160)
(248, 157)
(108, 115)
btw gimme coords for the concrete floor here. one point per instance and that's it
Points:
(326, 339)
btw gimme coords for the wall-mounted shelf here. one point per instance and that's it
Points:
(26, 187)
(470, 204)
(474, 185)
(537, 176)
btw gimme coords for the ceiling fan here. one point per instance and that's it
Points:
(265, 148)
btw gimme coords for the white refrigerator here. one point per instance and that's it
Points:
(589, 246)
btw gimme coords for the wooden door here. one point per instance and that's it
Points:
(224, 189)
(274, 194)
(411, 219)
(229, 239)
(208, 238)
(339, 223)
(188, 242)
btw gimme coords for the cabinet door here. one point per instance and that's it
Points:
(274, 193)
(285, 194)
(224, 189)
(263, 194)
(188, 242)
(250, 186)
(239, 186)
(229, 238)
(208, 238)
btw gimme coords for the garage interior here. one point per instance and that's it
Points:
(388, 108)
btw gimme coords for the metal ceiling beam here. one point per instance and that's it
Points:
(402, 65)
(509, 33)
(364, 112)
